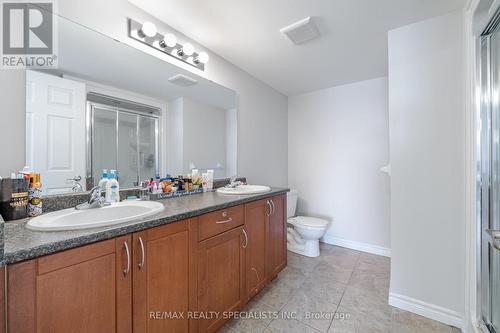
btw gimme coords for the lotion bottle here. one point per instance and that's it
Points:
(104, 180)
(112, 188)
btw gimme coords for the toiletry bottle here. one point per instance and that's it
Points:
(204, 184)
(25, 172)
(104, 180)
(13, 198)
(112, 188)
(34, 195)
(210, 179)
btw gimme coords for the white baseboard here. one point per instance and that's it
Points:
(431, 311)
(364, 247)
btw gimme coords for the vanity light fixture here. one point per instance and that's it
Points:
(147, 33)
(187, 49)
(148, 29)
(201, 58)
(169, 40)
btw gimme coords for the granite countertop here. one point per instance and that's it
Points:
(23, 244)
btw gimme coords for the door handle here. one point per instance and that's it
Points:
(126, 270)
(269, 212)
(273, 206)
(494, 238)
(141, 243)
(246, 238)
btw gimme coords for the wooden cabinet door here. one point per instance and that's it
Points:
(221, 272)
(256, 228)
(87, 289)
(2, 299)
(161, 279)
(277, 236)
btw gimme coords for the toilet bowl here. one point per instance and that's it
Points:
(304, 232)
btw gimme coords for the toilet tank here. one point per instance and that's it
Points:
(291, 203)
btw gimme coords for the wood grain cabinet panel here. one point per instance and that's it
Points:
(161, 279)
(93, 295)
(78, 298)
(2, 299)
(277, 255)
(217, 222)
(257, 230)
(221, 272)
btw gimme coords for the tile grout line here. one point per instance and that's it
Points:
(343, 293)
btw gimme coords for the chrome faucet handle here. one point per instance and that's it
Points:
(95, 200)
(233, 182)
(95, 194)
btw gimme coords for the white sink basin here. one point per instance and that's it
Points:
(72, 219)
(244, 189)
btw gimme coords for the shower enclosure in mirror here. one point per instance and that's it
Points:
(123, 138)
(119, 110)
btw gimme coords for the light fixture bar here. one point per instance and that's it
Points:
(163, 43)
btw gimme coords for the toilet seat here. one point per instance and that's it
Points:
(307, 221)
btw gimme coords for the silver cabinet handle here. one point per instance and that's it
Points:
(141, 264)
(246, 238)
(224, 214)
(268, 213)
(224, 221)
(274, 207)
(494, 238)
(127, 269)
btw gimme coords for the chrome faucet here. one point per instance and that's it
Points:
(95, 200)
(233, 183)
(77, 187)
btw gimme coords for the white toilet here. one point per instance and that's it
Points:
(303, 237)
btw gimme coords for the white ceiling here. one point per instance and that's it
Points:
(353, 45)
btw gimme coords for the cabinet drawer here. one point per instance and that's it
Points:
(217, 222)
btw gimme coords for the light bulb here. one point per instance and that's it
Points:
(170, 40)
(188, 49)
(203, 57)
(148, 29)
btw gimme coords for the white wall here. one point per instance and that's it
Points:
(262, 111)
(12, 121)
(204, 137)
(175, 135)
(427, 148)
(338, 141)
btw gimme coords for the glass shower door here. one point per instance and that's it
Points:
(125, 141)
(490, 181)
(494, 227)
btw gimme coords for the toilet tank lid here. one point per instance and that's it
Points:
(308, 221)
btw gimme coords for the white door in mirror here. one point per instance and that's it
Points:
(72, 219)
(55, 130)
(244, 189)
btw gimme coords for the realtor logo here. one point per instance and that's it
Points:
(28, 34)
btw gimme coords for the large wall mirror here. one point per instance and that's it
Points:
(110, 106)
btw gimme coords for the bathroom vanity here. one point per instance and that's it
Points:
(182, 270)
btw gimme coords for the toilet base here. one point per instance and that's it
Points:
(309, 248)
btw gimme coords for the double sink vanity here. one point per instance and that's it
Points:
(185, 268)
(174, 265)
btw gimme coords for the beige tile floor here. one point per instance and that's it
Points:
(342, 291)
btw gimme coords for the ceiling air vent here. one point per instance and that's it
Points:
(301, 31)
(182, 80)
